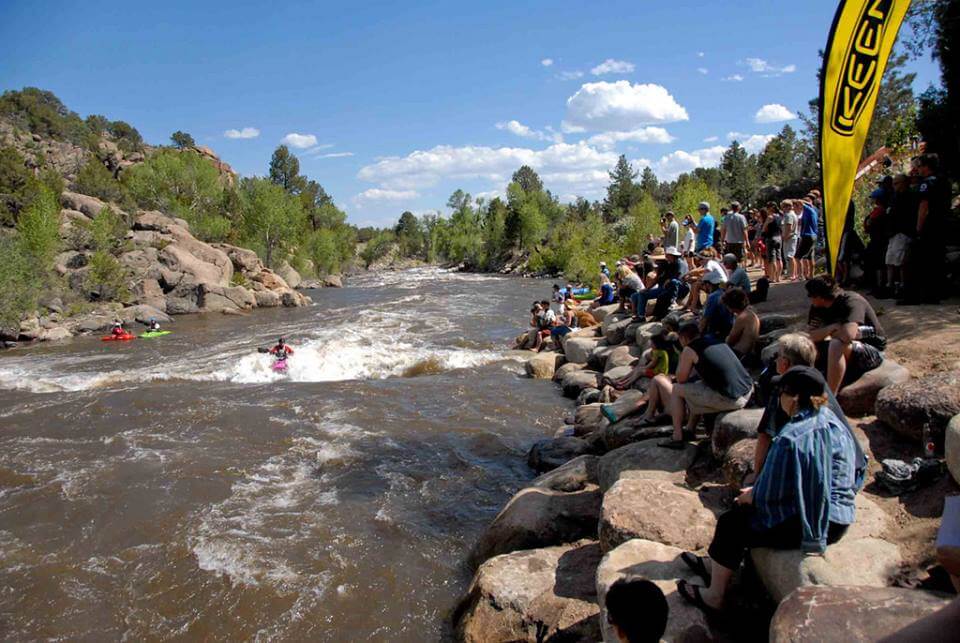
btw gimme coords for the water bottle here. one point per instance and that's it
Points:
(928, 447)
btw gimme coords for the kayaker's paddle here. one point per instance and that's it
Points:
(260, 349)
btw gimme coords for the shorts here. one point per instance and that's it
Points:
(773, 249)
(701, 399)
(790, 248)
(736, 249)
(897, 249)
(805, 247)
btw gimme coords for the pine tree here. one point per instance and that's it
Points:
(622, 192)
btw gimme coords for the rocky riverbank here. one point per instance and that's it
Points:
(609, 503)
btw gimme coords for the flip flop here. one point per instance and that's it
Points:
(676, 445)
(696, 564)
(695, 599)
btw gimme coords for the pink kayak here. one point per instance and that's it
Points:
(279, 366)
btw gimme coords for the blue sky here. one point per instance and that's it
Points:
(393, 105)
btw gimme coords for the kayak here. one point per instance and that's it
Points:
(580, 291)
(118, 338)
(279, 366)
(155, 333)
(585, 296)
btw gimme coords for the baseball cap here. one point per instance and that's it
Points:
(712, 278)
(670, 250)
(802, 379)
(876, 194)
(730, 258)
(703, 206)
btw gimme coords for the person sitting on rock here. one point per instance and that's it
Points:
(738, 277)
(657, 362)
(545, 323)
(706, 262)
(710, 379)
(795, 351)
(717, 320)
(746, 324)
(803, 497)
(845, 329)
(607, 293)
(637, 610)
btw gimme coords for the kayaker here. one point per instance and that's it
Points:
(117, 330)
(153, 326)
(281, 350)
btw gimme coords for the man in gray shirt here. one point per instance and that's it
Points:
(734, 231)
(671, 233)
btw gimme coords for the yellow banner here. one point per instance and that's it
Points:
(860, 41)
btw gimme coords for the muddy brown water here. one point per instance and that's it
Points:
(175, 488)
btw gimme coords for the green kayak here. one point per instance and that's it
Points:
(155, 333)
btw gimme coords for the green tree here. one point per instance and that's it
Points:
(494, 232)
(41, 112)
(182, 140)
(688, 193)
(738, 173)
(528, 180)
(322, 249)
(96, 180)
(649, 182)
(272, 219)
(781, 161)
(644, 221)
(894, 102)
(127, 137)
(38, 230)
(18, 186)
(525, 223)
(622, 192)
(409, 236)
(19, 287)
(285, 170)
(107, 231)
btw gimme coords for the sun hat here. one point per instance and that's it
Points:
(670, 250)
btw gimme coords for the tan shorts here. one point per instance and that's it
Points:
(702, 400)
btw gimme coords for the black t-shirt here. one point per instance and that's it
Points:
(847, 307)
(718, 367)
(903, 214)
(936, 193)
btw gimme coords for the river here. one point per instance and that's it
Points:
(176, 488)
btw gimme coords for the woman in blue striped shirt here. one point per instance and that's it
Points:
(804, 496)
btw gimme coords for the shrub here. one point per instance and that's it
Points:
(106, 277)
(107, 231)
(19, 288)
(377, 248)
(38, 231)
(17, 185)
(96, 180)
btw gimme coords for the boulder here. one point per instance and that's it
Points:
(574, 475)
(866, 562)
(148, 292)
(578, 349)
(660, 564)
(540, 517)
(88, 205)
(658, 510)
(952, 447)
(142, 262)
(266, 298)
(932, 399)
(534, 595)
(861, 614)
(293, 299)
(289, 275)
(620, 356)
(183, 299)
(244, 261)
(333, 281)
(738, 462)
(550, 453)
(178, 259)
(143, 313)
(860, 397)
(588, 396)
(542, 366)
(217, 299)
(579, 380)
(55, 334)
(600, 313)
(774, 321)
(642, 334)
(732, 427)
(93, 322)
(770, 352)
(155, 221)
(614, 327)
(627, 432)
(644, 460)
(617, 373)
(70, 260)
(566, 369)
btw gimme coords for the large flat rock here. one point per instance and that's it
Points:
(578, 380)
(578, 349)
(660, 564)
(546, 594)
(628, 431)
(732, 427)
(860, 397)
(644, 460)
(550, 453)
(933, 399)
(658, 510)
(849, 614)
(542, 366)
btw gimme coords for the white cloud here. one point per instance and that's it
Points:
(611, 66)
(753, 143)
(761, 66)
(703, 70)
(736, 78)
(642, 135)
(489, 195)
(577, 164)
(334, 155)
(676, 163)
(773, 113)
(300, 141)
(546, 62)
(246, 132)
(569, 128)
(378, 194)
(622, 106)
(711, 139)
(523, 131)
(570, 75)
(700, 54)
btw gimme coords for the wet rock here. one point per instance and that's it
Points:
(738, 462)
(658, 510)
(566, 369)
(660, 564)
(952, 447)
(94, 322)
(578, 349)
(732, 427)
(266, 299)
(550, 453)
(865, 562)
(542, 366)
(860, 397)
(574, 475)
(333, 281)
(58, 333)
(579, 380)
(534, 595)
(644, 460)
(143, 313)
(292, 299)
(628, 431)
(861, 614)
(933, 399)
(540, 517)
(588, 396)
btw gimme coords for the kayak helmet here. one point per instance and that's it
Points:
(280, 341)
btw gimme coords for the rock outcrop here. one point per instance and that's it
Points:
(932, 400)
(860, 397)
(644, 460)
(542, 366)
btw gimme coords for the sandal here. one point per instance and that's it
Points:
(696, 565)
(676, 445)
(695, 599)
